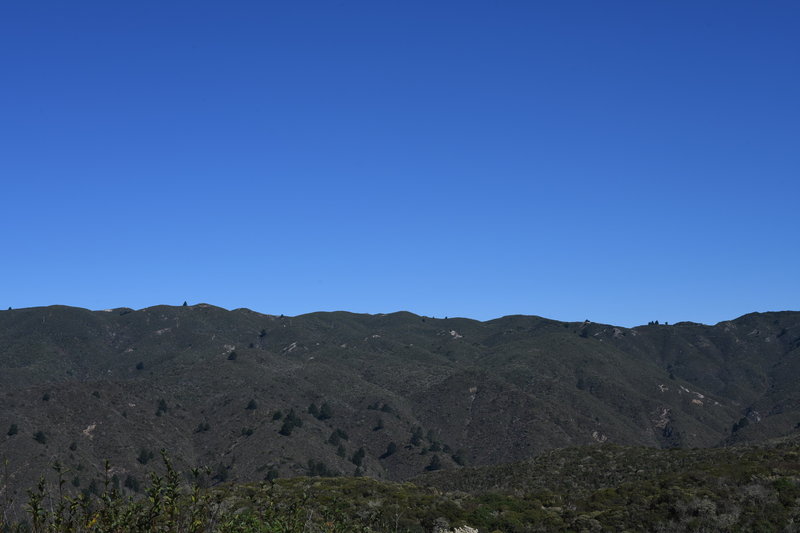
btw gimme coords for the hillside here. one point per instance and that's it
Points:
(389, 392)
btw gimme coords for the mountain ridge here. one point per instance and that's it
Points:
(465, 391)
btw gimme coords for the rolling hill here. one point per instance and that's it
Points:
(387, 396)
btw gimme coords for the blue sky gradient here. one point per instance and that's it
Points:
(613, 161)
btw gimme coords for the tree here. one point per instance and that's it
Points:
(286, 428)
(358, 457)
(140, 365)
(289, 423)
(131, 483)
(12, 430)
(313, 410)
(232, 356)
(162, 407)
(325, 412)
(458, 457)
(40, 437)
(185, 304)
(416, 436)
(390, 450)
(435, 464)
(251, 405)
(144, 456)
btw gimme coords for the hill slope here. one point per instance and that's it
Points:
(216, 387)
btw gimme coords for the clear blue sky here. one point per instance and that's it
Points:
(613, 161)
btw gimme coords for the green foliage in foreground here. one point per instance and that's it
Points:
(601, 488)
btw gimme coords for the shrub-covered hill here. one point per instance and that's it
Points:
(596, 488)
(388, 396)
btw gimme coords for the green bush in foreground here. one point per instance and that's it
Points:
(598, 488)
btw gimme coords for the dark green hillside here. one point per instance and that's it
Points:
(244, 392)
